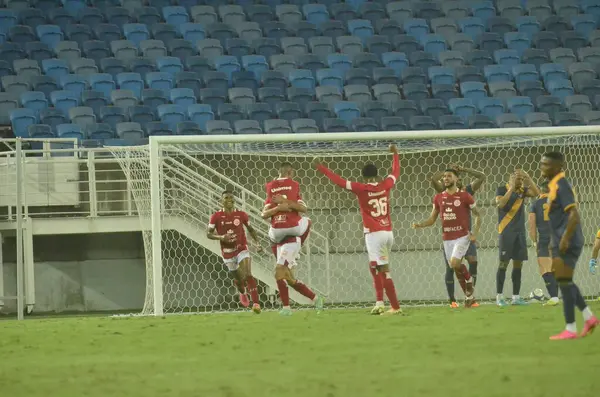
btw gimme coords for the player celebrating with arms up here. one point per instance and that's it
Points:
(373, 198)
(471, 254)
(510, 201)
(567, 243)
(455, 206)
(227, 227)
(539, 232)
(288, 230)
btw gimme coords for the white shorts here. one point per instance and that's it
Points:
(234, 263)
(277, 235)
(288, 253)
(379, 244)
(456, 248)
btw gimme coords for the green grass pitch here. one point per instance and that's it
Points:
(339, 353)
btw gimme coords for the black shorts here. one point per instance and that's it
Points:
(513, 246)
(570, 257)
(543, 248)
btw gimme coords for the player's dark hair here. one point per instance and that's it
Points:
(285, 164)
(226, 191)
(452, 170)
(369, 171)
(555, 156)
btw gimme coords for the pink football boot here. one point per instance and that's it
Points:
(564, 335)
(589, 326)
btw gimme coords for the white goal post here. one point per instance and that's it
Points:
(177, 183)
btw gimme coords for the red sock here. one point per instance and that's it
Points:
(251, 284)
(284, 294)
(377, 282)
(465, 273)
(241, 289)
(303, 289)
(390, 290)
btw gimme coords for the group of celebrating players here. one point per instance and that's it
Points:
(554, 227)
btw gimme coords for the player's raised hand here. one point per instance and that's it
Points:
(511, 180)
(278, 199)
(456, 166)
(317, 161)
(415, 226)
(393, 148)
(283, 207)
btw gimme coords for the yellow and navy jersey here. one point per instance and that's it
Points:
(598, 234)
(561, 198)
(511, 218)
(538, 207)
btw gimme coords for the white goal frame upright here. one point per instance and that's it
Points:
(157, 142)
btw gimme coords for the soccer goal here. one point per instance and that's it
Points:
(177, 182)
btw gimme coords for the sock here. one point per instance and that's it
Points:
(251, 284)
(450, 283)
(466, 274)
(516, 280)
(551, 285)
(579, 301)
(572, 327)
(587, 313)
(390, 289)
(241, 288)
(473, 271)
(303, 289)
(377, 282)
(284, 294)
(500, 277)
(568, 301)
(463, 277)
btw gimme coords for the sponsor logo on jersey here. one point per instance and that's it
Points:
(457, 203)
(236, 222)
(278, 189)
(375, 194)
(448, 209)
(453, 229)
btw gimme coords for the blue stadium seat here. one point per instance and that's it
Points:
(480, 121)
(500, 25)
(416, 27)
(469, 73)
(170, 65)
(390, 92)
(491, 107)
(385, 76)
(16, 84)
(579, 104)
(495, 73)
(461, 42)
(259, 13)
(339, 61)
(213, 97)
(433, 108)
(581, 72)
(276, 126)
(198, 64)
(192, 32)
(276, 30)
(502, 89)
(563, 119)
(490, 41)
(535, 57)
(206, 14)
(175, 15)
(95, 100)
(378, 44)
(153, 49)
(507, 57)
(39, 131)
(441, 75)
(422, 123)
(393, 124)
(69, 131)
(555, 23)
(520, 105)
(572, 40)
(546, 41)
(434, 43)
(288, 13)
(21, 34)
(247, 127)
(49, 34)
(171, 115)
(200, 114)
(83, 66)
(55, 68)
(405, 109)
(5, 68)
(413, 74)
(396, 61)
(405, 43)
(21, 119)
(509, 120)
(553, 71)
(375, 110)
(227, 64)
(8, 18)
(159, 81)
(27, 68)
(301, 78)
(259, 111)
(584, 24)
(61, 17)
(319, 112)
(113, 66)
(539, 8)
(164, 32)
(444, 26)
(52, 117)
(560, 88)
(266, 47)
(34, 100)
(131, 81)
(141, 114)
(423, 60)
(473, 90)
(237, 47)
(112, 115)
(364, 124)
(590, 7)
(245, 79)
(129, 131)
(451, 122)
(462, 107)
(330, 77)
(549, 104)
(288, 110)
(123, 98)
(529, 25)
(357, 93)
(483, 10)
(361, 28)
(181, 49)
(136, 32)
(274, 78)
(592, 117)
(256, 64)
(346, 110)
(444, 91)
(120, 16)
(452, 58)
(336, 125)
(517, 41)
(343, 12)
(538, 119)
(591, 88)
(304, 126)
(532, 89)
(100, 131)
(230, 112)
(479, 58)
(96, 50)
(102, 82)
(472, 26)
(399, 11)
(241, 96)
(82, 116)
(525, 72)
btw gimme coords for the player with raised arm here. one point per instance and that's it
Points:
(566, 237)
(373, 199)
(539, 233)
(595, 251)
(227, 227)
(471, 255)
(456, 207)
(288, 231)
(510, 200)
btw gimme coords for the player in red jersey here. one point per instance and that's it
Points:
(227, 227)
(455, 206)
(373, 198)
(288, 231)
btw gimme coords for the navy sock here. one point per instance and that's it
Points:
(579, 301)
(473, 271)
(450, 283)
(516, 280)
(500, 277)
(568, 300)
(551, 285)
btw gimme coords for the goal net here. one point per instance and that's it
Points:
(186, 274)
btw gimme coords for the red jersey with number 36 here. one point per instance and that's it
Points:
(455, 211)
(373, 198)
(289, 189)
(231, 223)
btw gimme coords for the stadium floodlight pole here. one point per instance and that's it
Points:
(156, 218)
(387, 135)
